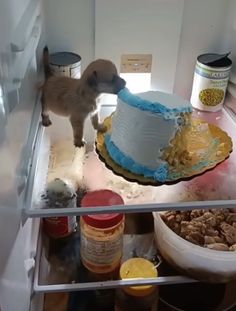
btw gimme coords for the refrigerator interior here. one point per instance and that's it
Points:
(25, 26)
(57, 274)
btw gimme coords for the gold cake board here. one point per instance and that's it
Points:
(206, 142)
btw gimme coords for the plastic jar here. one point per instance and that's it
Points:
(102, 234)
(138, 298)
(210, 82)
(59, 227)
(59, 194)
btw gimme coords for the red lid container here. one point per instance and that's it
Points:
(102, 198)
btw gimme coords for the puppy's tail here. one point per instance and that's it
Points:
(46, 63)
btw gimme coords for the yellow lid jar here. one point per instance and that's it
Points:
(138, 298)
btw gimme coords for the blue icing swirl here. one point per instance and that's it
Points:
(160, 174)
(145, 105)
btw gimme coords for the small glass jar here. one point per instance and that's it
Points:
(60, 193)
(138, 298)
(101, 235)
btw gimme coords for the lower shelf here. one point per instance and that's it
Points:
(59, 269)
(59, 275)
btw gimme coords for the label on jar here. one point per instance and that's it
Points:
(209, 87)
(101, 252)
(59, 227)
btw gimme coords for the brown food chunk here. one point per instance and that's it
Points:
(209, 239)
(229, 232)
(218, 246)
(214, 228)
(196, 238)
(233, 248)
(231, 218)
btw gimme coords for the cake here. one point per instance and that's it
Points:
(148, 133)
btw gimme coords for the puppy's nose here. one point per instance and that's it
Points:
(120, 84)
(123, 83)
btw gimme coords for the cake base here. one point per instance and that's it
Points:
(207, 143)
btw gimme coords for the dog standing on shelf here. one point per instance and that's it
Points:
(76, 98)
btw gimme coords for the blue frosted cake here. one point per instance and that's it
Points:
(148, 133)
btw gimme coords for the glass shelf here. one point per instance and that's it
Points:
(213, 189)
(59, 269)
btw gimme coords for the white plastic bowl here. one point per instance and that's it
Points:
(198, 262)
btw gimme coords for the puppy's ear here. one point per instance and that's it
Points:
(92, 80)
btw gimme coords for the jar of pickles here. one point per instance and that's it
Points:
(138, 298)
(101, 234)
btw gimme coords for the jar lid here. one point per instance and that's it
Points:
(138, 268)
(215, 60)
(102, 198)
(64, 58)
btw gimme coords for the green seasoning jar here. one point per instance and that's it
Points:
(210, 81)
(138, 298)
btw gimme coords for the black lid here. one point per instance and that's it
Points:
(215, 60)
(64, 58)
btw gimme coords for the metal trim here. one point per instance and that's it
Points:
(168, 280)
(141, 208)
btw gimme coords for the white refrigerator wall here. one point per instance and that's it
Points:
(229, 40)
(203, 31)
(70, 27)
(174, 31)
(141, 27)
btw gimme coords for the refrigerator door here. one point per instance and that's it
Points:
(20, 31)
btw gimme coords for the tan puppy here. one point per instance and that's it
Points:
(76, 98)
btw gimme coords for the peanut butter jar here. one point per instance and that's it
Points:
(101, 234)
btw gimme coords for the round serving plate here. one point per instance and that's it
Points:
(208, 145)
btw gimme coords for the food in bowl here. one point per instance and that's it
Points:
(201, 263)
(213, 229)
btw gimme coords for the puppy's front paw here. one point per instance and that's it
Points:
(46, 121)
(79, 143)
(102, 128)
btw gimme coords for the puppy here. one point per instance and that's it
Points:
(76, 98)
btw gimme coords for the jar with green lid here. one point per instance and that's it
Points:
(138, 298)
